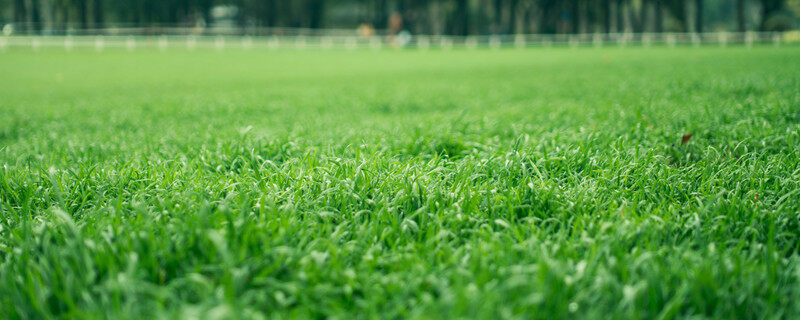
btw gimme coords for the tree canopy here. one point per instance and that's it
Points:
(458, 17)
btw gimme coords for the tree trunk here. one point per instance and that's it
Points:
(607, 15)
(575, 17)
(462, 17)
(533, 18)
(625, 16)
(315, 11)
(269, 13)
(435, 20)
(82, 14)
(29, 15)
(613, 16)
(381, 19)
(620, 14)
(645, 21)
(583, 17)
(637, 18)
(688, 16)
(740, 18)
(659, 19)
(46, 15)
(497, 24)
(511, 13)
(698, 11)
(18, 9)
(98, 13)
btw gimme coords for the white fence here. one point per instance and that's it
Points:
(421, 42)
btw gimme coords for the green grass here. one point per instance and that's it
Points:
(532, 184)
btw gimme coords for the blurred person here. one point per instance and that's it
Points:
(365, 30)
(397, 36)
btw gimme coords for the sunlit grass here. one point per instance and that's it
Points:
(481, 184)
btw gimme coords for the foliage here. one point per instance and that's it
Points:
(459, 17)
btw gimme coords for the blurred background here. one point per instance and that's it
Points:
(413, 17)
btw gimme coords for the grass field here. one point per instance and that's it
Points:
(546, 183)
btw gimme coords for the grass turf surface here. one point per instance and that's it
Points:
(485, 184)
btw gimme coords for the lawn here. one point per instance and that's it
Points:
(633, 183)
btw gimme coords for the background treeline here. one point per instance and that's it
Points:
(458, 17)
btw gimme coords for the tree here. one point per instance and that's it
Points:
(459, 17)
(698, 25)
(659, 15)
(769, 8)
(677, 9)
(740, 16)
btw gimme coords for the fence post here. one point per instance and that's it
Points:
(520, 41)
(99, 43)
(375, 43)
(300, 42)
(471, 42)
(191, 43)
(68, 43)
(423, 43)
(274, 43)
(621, 39)
(597, 40)
(776, 39)
(219, 43)
(326, 43)
(247, 42)
(351, 43)
(130, 43)
(446, 43)
(163, 43)
(671, 40)
(573, 41)
(748, 39)
(494, 42)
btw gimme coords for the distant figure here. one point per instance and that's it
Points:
(403, 38)
(8, 29)
(365, 30)
(395, 23)
(397, 37)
